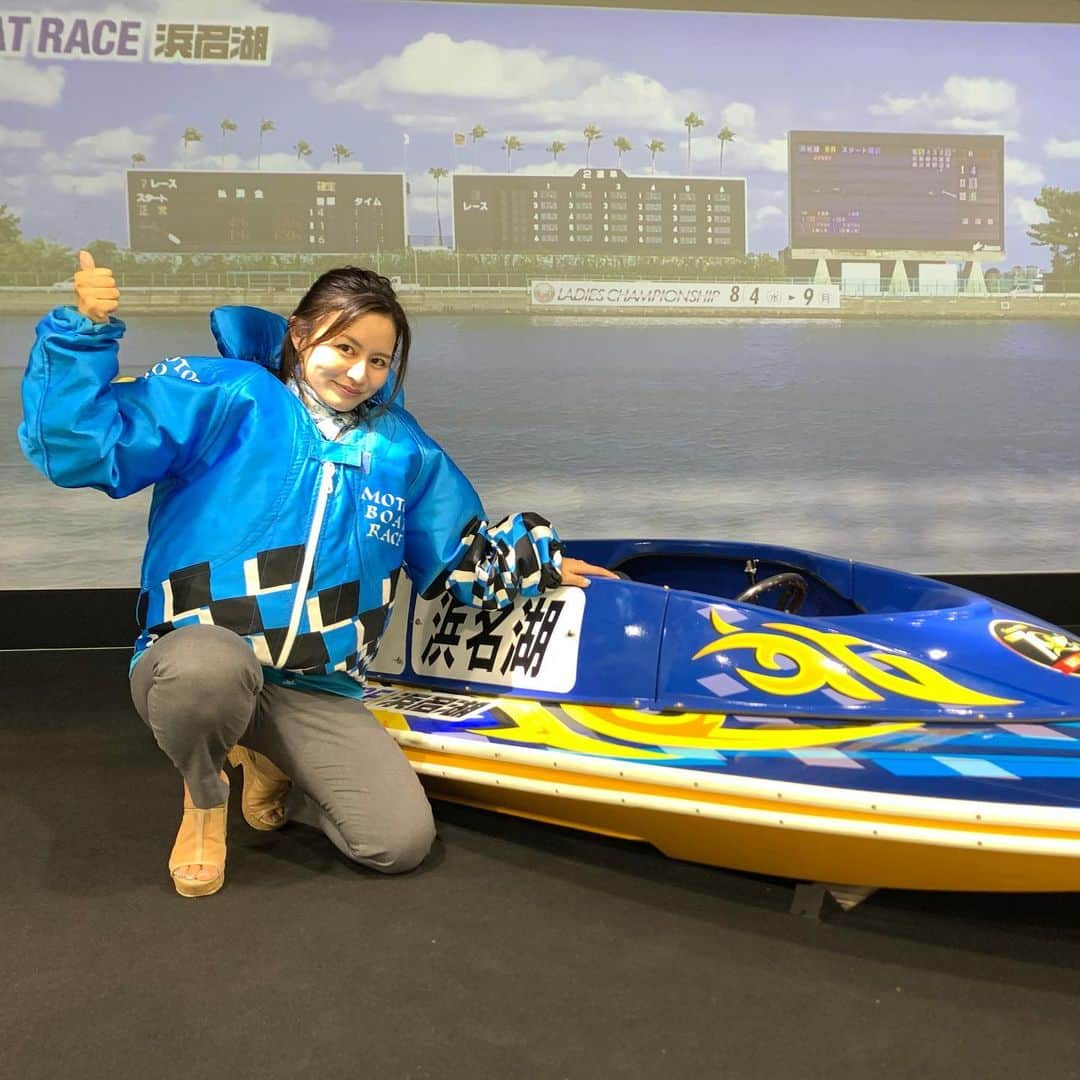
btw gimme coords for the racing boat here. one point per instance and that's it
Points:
(759, 708)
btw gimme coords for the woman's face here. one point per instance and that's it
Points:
(353, 365)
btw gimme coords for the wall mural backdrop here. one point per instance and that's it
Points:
(804, 279)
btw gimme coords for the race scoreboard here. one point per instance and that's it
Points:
(599, 211)
(857, 191)
(340, 213)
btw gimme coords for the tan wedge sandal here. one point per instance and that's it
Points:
(199, 842)
(266, 788)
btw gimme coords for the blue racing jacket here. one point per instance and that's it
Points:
(257, 522)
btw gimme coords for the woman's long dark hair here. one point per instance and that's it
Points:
(343, 295)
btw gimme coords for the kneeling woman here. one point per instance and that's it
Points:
(270, 566)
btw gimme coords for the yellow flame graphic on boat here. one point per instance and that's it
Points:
(650, 736)
(826, 658)
(630, 735)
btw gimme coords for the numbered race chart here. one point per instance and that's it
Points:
(600, 211)
(341, 213)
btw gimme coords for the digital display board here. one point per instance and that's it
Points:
(599, 211)
(862, 191)
(340, 213)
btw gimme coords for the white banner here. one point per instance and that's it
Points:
(712, 296)
(531, 645)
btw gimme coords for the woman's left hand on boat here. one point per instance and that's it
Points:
(574, 571)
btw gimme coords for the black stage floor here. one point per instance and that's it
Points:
(518, 950)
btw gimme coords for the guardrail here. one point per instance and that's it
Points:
(408, 273)
(884, 291)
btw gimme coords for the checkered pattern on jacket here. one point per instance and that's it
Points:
(332, 626)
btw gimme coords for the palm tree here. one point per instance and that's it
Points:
(691, 121)
(302, 148)
(226, 126)
(621, 144)
(477, 133)
(190, 135)
(510, 144)
(264, 127)
(438, 174)
(655, 147)
(591, 133)
(555, 149)
(138, 158)
(340, 152)
(725, 135)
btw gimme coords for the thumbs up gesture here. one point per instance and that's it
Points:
(95, 289)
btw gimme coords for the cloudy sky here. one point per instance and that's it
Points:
(367, 74)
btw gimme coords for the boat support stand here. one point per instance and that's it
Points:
(817, 900)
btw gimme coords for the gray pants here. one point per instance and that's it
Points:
(200, 689)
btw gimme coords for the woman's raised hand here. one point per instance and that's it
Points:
(95, 289)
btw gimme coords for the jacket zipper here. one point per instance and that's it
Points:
(326, 485)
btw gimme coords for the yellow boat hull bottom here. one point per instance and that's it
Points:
(809, 842)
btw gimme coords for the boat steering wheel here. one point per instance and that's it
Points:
(793, 589)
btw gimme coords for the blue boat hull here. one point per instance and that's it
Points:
(893, 731)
